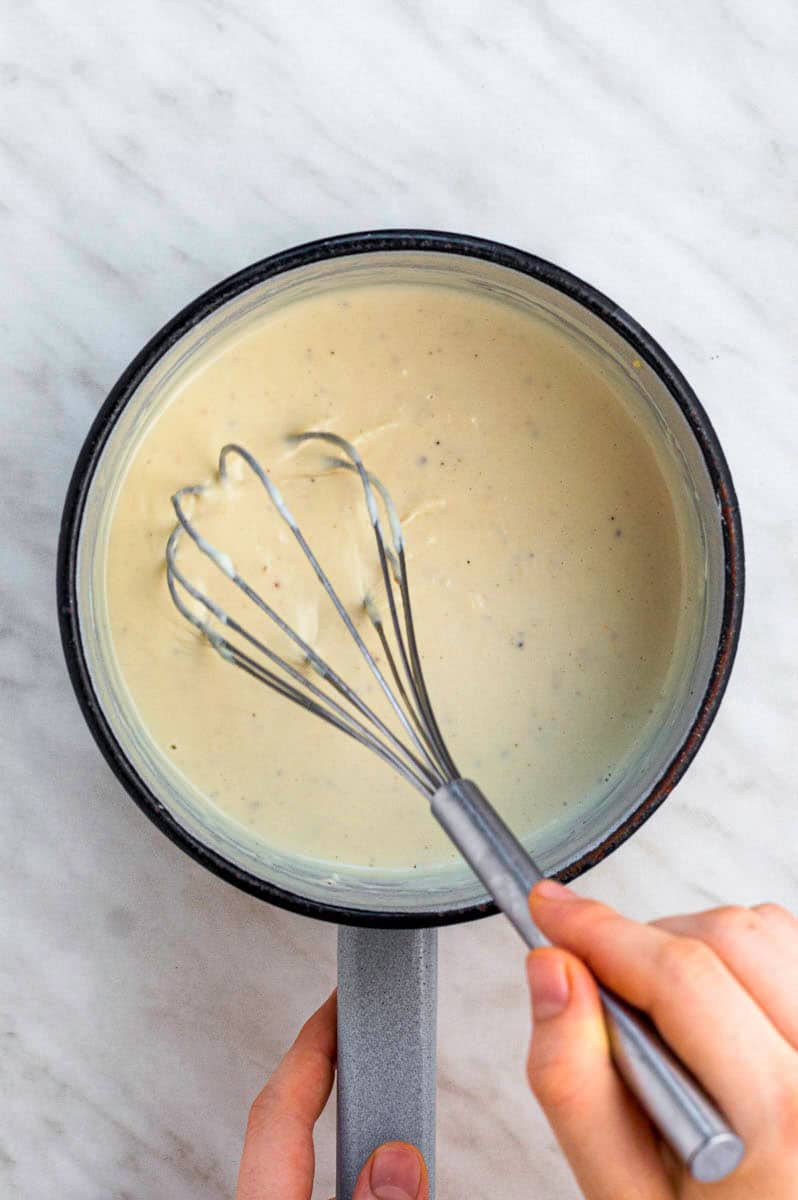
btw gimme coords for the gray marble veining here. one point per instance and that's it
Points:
(145, 152)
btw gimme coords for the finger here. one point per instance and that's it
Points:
(395, 1171)
(760, 947)
(278, 1161)
(603, 1133)
(698, 1006)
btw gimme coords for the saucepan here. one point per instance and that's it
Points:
(387, 955)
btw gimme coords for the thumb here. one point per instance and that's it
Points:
(605, 1136)
(395, 1171)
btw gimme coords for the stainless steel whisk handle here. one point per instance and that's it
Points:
(673, 1099)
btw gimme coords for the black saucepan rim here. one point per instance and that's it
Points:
(335, 247)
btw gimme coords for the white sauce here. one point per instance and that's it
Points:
(543, 549)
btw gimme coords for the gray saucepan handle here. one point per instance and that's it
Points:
(387, 1005)
(673, 1099)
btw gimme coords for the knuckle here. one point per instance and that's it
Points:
(256, 1117)
(556, 1088)
(777, 913)
(260, 1113)
(685, 958)
(732, 919)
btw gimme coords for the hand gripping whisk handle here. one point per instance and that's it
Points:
(673, 1099)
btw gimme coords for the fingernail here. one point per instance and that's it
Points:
(396, 1173)
(550, 889)
(548, 983)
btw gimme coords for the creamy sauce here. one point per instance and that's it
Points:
(543, 548)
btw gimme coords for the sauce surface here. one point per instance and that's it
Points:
(543, 549)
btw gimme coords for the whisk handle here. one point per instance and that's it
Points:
(672, 1097)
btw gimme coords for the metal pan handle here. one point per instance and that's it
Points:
(387, 1006)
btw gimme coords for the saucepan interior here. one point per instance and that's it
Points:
(707, 515)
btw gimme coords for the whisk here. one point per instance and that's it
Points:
(673, 1099)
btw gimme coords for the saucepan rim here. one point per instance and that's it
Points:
(368, 243)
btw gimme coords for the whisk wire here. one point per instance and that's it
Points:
(418, 676)
(427, 765)
(420, 707)
(279, 503)
(337, 718)
(413, 767)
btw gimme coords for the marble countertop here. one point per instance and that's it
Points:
(148, 150)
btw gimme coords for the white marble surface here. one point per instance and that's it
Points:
(147, 150)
